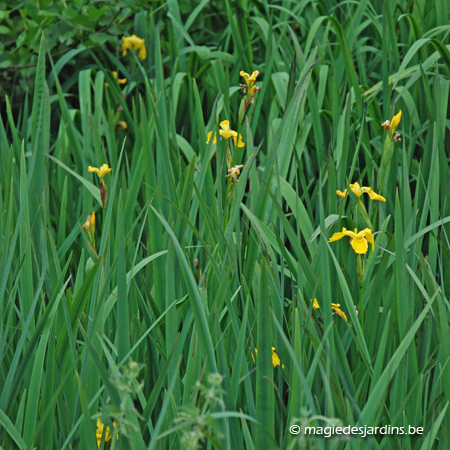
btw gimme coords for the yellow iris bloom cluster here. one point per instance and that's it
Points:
(136, 44)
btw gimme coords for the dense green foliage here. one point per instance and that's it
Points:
(152, 319)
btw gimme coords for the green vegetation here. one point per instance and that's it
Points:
(158, 313)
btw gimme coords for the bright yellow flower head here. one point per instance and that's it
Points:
(99, 432)
(338, 311)
(275, 359)
(359, 241)
(100, 172)
(359, 190)
(227, 133)
(249, 79)
(315, 304)
(134, 43)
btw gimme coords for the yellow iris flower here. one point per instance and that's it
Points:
(249, 79)
(391, 125)
(334, 306)
(275, 359)
(134, 43)
(359, 241)
(100, 172)
(316, 304)
(227, 133)
(99, 432)
(338, 311)
(359, 190)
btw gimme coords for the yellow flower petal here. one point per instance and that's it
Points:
(209, 137)
(240, 143)
(315, 304)
(374, 196)
(275, 358)
(359, 245)
(341, 234)
(341, 194)
(368, 235)
(120, 80)
(99, 432)
(395, 121)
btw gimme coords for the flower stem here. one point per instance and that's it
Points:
(229, 157)
(360, 270)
